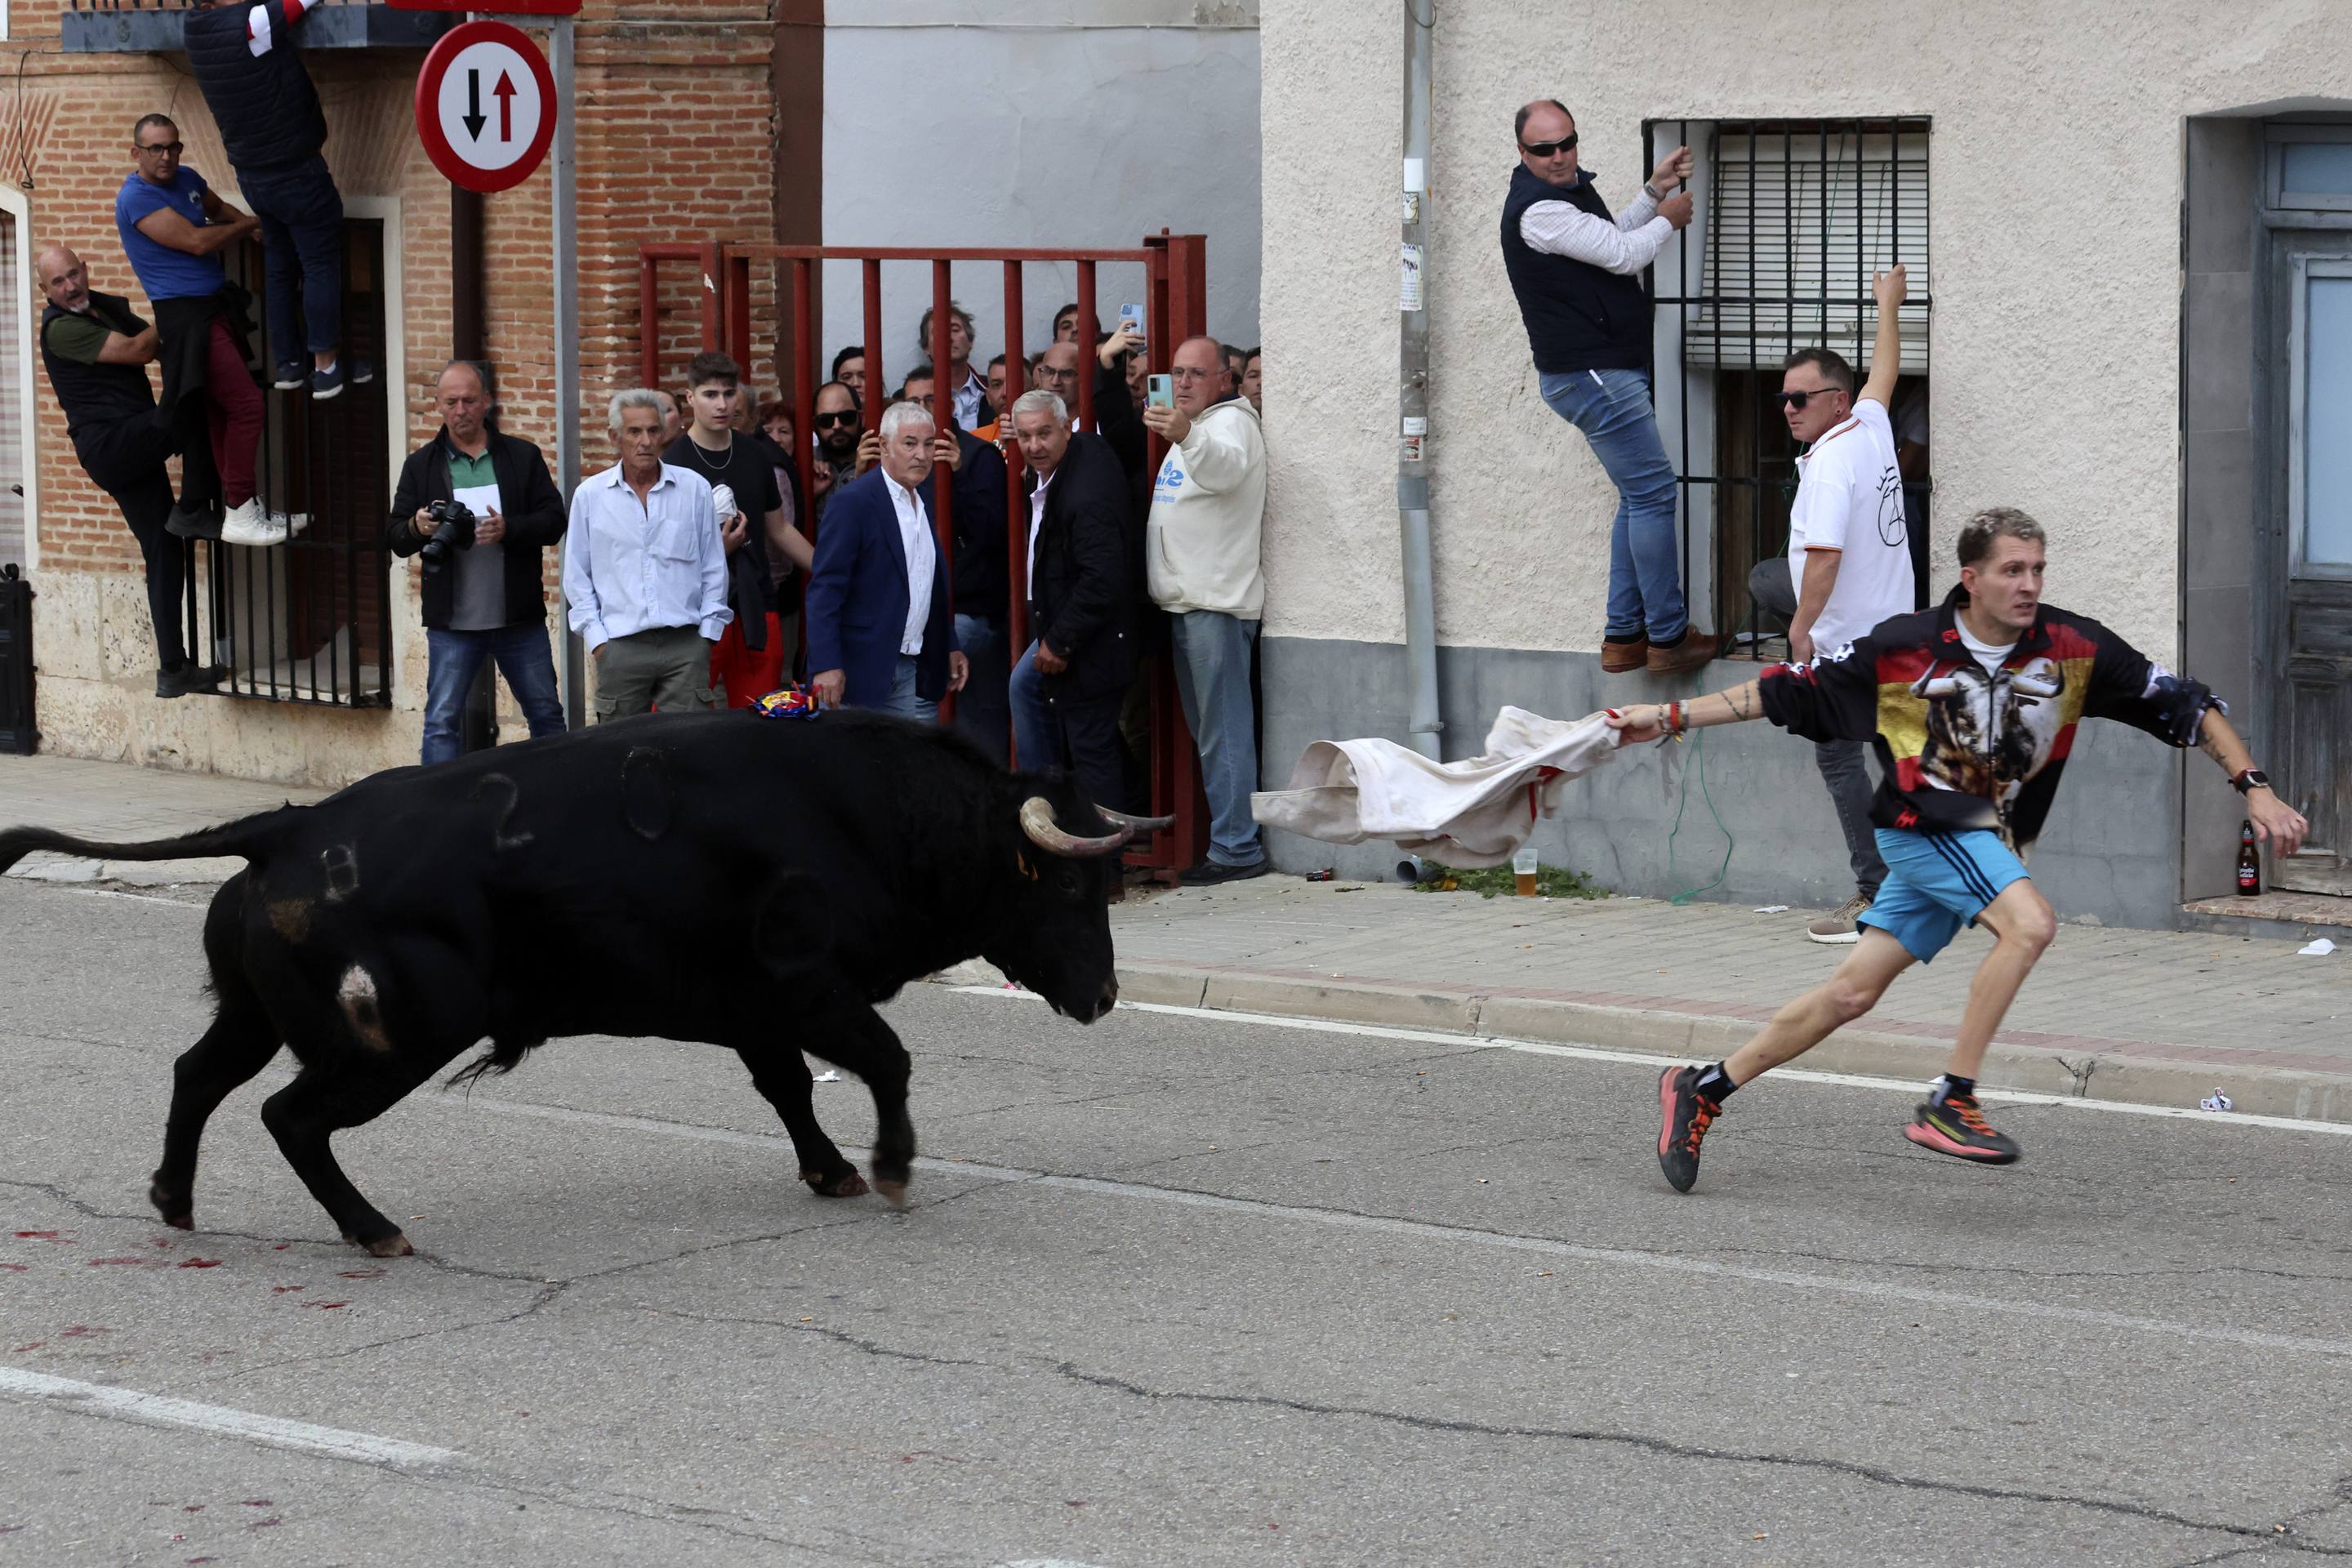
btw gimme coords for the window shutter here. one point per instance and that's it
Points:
(1801, 221)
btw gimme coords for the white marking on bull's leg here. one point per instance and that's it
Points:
(219, 1420)
(364, 1008)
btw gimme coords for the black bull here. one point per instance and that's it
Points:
(756, 885)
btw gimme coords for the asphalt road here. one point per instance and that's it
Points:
(1172, 1291)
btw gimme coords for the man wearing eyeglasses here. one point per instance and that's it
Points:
(1849, 561)
(1575, 268)
(1202, 564)
(173, 230)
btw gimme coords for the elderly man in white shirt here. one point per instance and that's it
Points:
(1575, 268)
(645, 573)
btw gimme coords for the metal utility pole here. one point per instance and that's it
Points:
(566, 223)
(1423, 727)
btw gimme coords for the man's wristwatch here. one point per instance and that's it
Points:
(2252, 778)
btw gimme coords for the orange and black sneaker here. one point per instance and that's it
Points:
(1957, 1127)
(1688, 1114)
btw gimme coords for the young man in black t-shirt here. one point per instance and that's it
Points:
(749, 659)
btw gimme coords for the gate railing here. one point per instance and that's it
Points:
(1175, 306)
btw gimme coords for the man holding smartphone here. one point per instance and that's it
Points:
(1200, 555)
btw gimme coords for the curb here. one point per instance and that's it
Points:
(2111, 1075)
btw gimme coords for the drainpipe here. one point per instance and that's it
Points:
(1422, 724)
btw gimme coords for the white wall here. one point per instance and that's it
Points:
(2056, 164)
(1066, 123)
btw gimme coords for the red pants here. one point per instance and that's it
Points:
(748, 674)
(233, 411)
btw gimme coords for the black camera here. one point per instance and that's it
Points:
(455, 531)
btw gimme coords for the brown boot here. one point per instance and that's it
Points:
(1693, 652)
(1624, 658)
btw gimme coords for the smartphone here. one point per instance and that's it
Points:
(1161, 392)
(1131, 315)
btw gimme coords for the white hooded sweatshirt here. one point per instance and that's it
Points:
(1208, 503)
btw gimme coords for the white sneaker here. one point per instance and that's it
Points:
(249, 525)
(1837, 927)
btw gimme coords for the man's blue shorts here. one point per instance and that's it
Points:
(1936, 883)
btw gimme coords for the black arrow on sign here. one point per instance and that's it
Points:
(474, 118)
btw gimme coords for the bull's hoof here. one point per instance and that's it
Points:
(391, 1246)
(177, 1211)
(894, 1192)
(842, 1183)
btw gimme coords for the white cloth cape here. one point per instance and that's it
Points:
(1471, 813)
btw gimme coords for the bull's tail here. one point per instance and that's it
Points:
(247, 836)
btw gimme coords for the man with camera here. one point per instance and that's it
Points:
(481, 507)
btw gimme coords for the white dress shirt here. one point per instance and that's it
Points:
(969, 397)
(922, 563)
(632, 565)
(1036, 521)
(1624, 248)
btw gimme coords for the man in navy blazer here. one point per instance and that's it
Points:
(880, 632)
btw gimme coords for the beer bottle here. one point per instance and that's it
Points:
(2250, 862)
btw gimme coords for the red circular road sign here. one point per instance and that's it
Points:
(486, 105)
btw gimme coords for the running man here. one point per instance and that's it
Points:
(1973, 707)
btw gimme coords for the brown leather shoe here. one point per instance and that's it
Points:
(1624, 658)
(1693, 652)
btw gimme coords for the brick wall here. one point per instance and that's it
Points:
(675, 124)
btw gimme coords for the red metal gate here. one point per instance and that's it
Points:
(1176, 308)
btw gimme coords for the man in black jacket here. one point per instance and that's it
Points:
(97, 352)
(484, 598)
(1068, 688)
(270, 122)
(1576, 269)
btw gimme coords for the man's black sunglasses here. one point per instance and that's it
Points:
(841, 416)
(1797, 400)
(1546, 149)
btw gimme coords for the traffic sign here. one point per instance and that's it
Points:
(486, 105)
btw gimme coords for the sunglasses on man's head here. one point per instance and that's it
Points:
(845, 417)
(1546, 149)
(1797, 400)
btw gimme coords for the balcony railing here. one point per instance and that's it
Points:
(152, 26)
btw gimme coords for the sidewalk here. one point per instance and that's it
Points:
(2156, 1017)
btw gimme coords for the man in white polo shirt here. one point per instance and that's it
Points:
(1849, 561)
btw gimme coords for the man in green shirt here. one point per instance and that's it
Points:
(97, 352)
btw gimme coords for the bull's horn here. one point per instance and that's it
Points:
(1134, 824)
(1037, 822)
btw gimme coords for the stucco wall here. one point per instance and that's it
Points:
(954, 124)
(2056, 170)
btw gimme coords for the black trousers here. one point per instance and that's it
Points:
(1090, 735)
(125, 458)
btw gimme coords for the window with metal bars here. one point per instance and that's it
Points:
(310, 620)
(1791, 220)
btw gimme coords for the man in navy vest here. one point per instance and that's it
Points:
(270, 122)
(1577, 272)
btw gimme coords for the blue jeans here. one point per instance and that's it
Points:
(1036, 733)
(980, 706)
(301, 215)
(1645, 579)
(1214, 651)
(902, 700)
(453, 659)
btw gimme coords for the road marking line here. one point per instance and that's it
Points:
(1644, 1058)
(136, 898)
(1428, 1230)
(220, 1421)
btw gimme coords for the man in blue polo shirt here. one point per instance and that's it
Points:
(173, 230)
